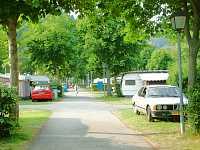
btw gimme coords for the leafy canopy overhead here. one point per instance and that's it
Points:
(103, 40)
(32, 9)
(49, 46)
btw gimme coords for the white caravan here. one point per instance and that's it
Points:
(132, 81)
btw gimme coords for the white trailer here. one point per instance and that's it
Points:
(132, 81)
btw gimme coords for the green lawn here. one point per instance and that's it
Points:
(31, 122)
(115, 100)
(164, 134)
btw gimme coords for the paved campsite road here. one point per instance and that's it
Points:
(81, 123)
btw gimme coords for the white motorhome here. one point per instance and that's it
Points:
(132, 81)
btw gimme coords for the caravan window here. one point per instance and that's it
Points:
(130, 82)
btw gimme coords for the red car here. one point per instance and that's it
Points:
(41, 92)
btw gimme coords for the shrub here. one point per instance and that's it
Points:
(118, 90)
(8, 99)
(60, 89)
(193, 109)
(94, 87)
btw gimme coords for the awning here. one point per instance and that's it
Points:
(154, 76)
(39, 78)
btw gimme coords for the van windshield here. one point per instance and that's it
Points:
(163, 92)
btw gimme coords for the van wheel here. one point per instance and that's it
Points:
(149, 116)
(135, 110)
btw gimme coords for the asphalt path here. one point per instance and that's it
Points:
(83, 123)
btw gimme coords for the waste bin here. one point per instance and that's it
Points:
(99, 86)
(65, 87)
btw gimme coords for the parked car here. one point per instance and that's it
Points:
(41, 92)
(157, 101)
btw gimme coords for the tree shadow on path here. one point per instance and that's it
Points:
(72, 134)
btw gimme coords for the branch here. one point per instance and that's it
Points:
(196, 24)
(187, 23)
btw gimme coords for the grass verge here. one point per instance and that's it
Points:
(44, 102)
(31, 122)
(164, 134)
(115, 100)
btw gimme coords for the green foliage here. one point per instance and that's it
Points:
(193, 109)
(159, 60)
(8, 100)
(144, 57)
(12, 12)
(50, 53)
(173, 74)
(153, 16)
(50, 46)
(94, 87)
(34, 9)
(31, 121)
(173, 68)
(58, 86)
(60, 91)
(103, 40)
(3, 50)
(87, 46)
(118, 90)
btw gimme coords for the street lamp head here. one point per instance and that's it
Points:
(178, 21)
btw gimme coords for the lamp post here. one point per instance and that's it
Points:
(178, 23)
(104, 76)
(91, 80)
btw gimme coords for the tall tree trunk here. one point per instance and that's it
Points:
(193, 40)
(14, 73)
(108, 82)
(192, 72)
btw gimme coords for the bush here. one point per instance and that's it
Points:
(8, 99)
(94, 87)
(193, 109)
(118, 90)
(60, 89)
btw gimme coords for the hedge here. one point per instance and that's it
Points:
(8, 99)
(193, 109)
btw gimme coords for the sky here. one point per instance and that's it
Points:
(74, 14)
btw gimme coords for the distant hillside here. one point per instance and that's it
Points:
(159, 43)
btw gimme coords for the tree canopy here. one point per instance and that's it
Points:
(149, 15)
(12, 12)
